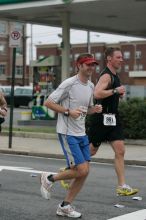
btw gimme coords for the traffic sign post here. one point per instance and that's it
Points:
(12, 98)
(15, 40)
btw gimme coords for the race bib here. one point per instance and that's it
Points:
(83, 113)
(109, 120)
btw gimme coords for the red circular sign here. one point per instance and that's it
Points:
(15, 35)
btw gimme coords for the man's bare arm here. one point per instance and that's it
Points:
(101, 91)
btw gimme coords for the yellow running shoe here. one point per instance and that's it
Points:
(64, 183)
(126, 190)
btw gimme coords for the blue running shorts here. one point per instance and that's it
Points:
(75, 148)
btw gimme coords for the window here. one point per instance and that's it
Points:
(19, 70)
(19, 51)
(16, 26)
(140, 67)
(2, 69)
(98, 56)
(138, 54)
(126, 55)
(2, 28)
(126, 68)
(2, 48)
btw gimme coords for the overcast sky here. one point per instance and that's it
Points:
(49, 35)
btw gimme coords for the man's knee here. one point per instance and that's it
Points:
(83, 173)
(119, 148)
(83, 170)
(121, 152)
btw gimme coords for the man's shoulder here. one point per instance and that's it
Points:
(106, 70)
(106, 73)
(70, 80)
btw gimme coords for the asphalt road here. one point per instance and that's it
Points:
(20, 196)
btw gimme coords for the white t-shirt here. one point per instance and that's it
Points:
(72, 94)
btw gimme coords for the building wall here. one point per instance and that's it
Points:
(134, 62)
(47, 50)
(134, 55)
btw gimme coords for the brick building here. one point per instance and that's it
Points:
(133, 71)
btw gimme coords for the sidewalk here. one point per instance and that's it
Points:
(47, 145)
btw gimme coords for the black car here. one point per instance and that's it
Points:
(23, 96)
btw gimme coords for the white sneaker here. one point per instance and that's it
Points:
(68, 211)
(45, 186)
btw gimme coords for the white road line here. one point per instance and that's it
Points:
(22, 169)
(138, 215)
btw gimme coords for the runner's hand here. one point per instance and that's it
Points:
(97, 108)
(75, 113)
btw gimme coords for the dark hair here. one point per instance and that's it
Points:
(110, 50)
(83, 55)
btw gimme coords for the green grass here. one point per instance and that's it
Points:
(32, 129)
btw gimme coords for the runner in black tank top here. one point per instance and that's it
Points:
(110, 104)
(98, 132)
(106, 126)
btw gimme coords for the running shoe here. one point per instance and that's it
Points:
(126, 190)
(68, 211)
(45, 186)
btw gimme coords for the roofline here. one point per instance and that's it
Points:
(30, 4)
(40, 3)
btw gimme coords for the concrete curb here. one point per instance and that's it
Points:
(32, 135)
(61, 156)
(54, 137)
(26, 153)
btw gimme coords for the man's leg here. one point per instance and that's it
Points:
(93, 150)
(119, 149)
(79, 174)
(123, 188)
(68, 184)
(75, 172)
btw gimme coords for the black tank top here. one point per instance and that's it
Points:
(110, 104)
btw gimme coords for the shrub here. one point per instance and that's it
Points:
(133, 117)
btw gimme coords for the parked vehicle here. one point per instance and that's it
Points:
(5, 89)
(23, 95)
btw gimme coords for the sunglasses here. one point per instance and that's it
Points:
(91, 64)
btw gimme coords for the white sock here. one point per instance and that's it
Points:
(123, 186)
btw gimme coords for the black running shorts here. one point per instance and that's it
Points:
(98, 133)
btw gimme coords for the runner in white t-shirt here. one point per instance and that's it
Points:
(72, 100)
